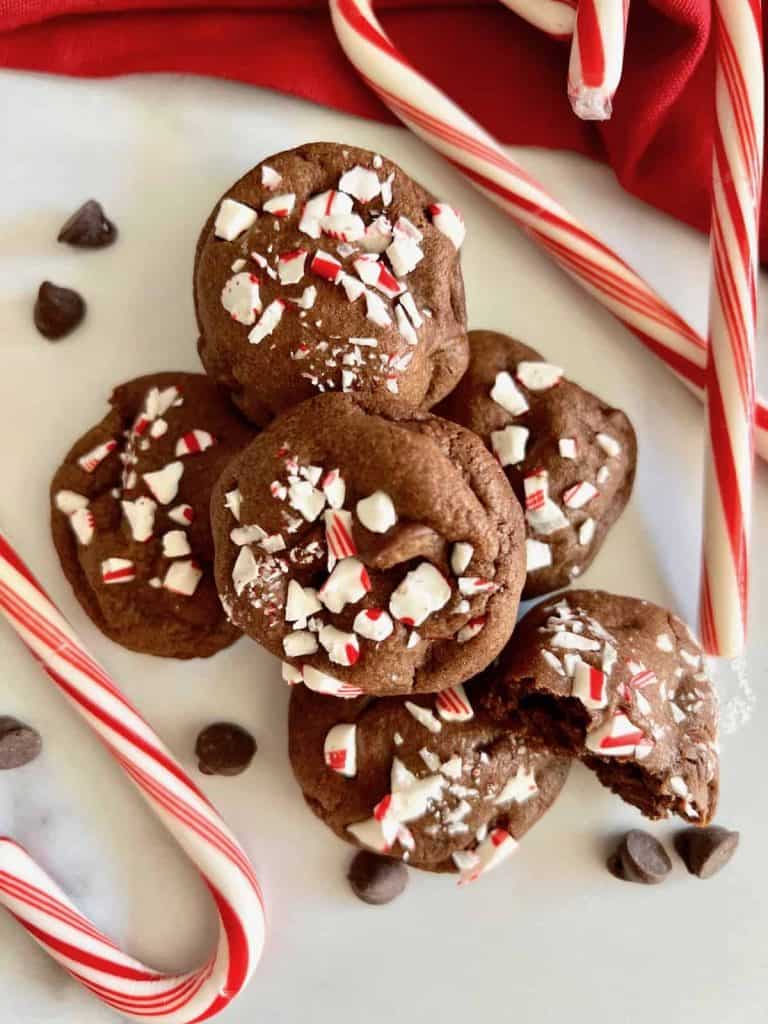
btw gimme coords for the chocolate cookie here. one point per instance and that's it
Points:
(130, 514)
(374, 547)
(620, 683)
(569, 457)
(427, 779)
(327, 268)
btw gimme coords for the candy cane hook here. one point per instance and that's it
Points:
(37, 902)
(471, 150)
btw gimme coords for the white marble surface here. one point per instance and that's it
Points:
(551, 936)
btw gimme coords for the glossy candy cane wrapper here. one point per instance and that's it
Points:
(473, 152)
(40, 906)
(597, 57)
(736, 183)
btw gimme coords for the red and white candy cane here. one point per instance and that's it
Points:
(555, 17)
(597, 57)
(40, 906)
(736, 182)
(471, 150)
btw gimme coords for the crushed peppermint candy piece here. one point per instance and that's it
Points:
(472, 629)
(244, 571)
(93, 459)
(70, 501)
(377, 512)
(618, 737)
(267, 322)
(536, 487)
(175, 544)
(299, 643)
(461, 556)
(579, 495)
(322, 205)
(164, 483)
(567, 447)
(159, 402)
(494, 849)
(353, 287)
(347, 584)
(290, 674)
(301, 602)
(424, 717)
(386, 190)
(117, 570)
(373, 624)
(340, 750)
(453, 704)
(603, 474)
(423, 591)
(158, 428)
(378, 235)
(609, 444)
(334, 488)
(322, 683)
(413, 640)
(574, 641)
(338, 534)
(241, 298)
(538, 555)
(376, 309)
(83, 525)
(290, 266)
(194, 442)
(344, 227)
(141, 517)
(507, 394)
(404, 254)
(247, 534)
(325, 265)
(183, 578)
(233, 500)
(590, 685)
(183, 514)
(405, 326)
(361, 183)
(519, 788)
(448, 222)
(270, 178)
(538, 376)
(233, 219)
(373, 272)
(471, 585)
(664, 642)
(343, 648)
(280, 206)
(509, 444)
(307, 298)
(306, 499)
(586, 532)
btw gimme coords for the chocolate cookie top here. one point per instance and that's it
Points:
(376, 548)
(327, 268)
(621, 683)
(130, 514)
(430, 779)
(569, 457)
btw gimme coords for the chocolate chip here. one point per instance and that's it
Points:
(376, 880)
(640, 857)
(57, 310)
(19, 743)
(88, 227)
(224, 749)
(706, 850)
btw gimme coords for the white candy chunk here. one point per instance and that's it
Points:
(250, 534)
(343, 648)
(471, 585)
(567, 447)
(344, 227)
(472, 629)
(373, 272)
(307, 299)
(579, 495)
(347, 584)
(376, 309)
(233, 219)
(664, 642)
(268, 321)
(509, 444)
(241, 298)
(408, 304)
(422, 592)
(405, 228)
(117, 570)
(519, 788)
(609, 444)
(537, 555)
(507, 394)
(679, 786)
(378, 235)
(546, 519)
(449, 222)
(164, 483)
(370, 834)
(361, 183)
(586, 532)
(334, 488)
(404, 254)
(413, 640)
(306, 499)
(618, 737)
(194, 442)
(461, 556)
(453, 704)
(183, 578)
(301, 602)
(83, 525)
(405, 326)
(373, 624)
(299, 643)
(233, 500)
(290, 266)
(322, 205)
(244, 571)
(353, 288)
(93, 459)
(496, 848)
(291, 674)
(159, 402)
(319, 682)
(590, 685)
(270, 178)
(70, 501)
(340, 750)
(386, 189)
(175, 544)
(183, 514)
(603, 474)
(424, 717)
(377, 512)
(273, 543)
(141, 517)
(574, 641)
(280, 206)
(538, 376)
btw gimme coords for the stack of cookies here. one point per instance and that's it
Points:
(302, 493)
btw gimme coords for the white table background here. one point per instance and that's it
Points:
(552, 935)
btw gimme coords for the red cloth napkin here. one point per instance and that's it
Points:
(507, 74)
